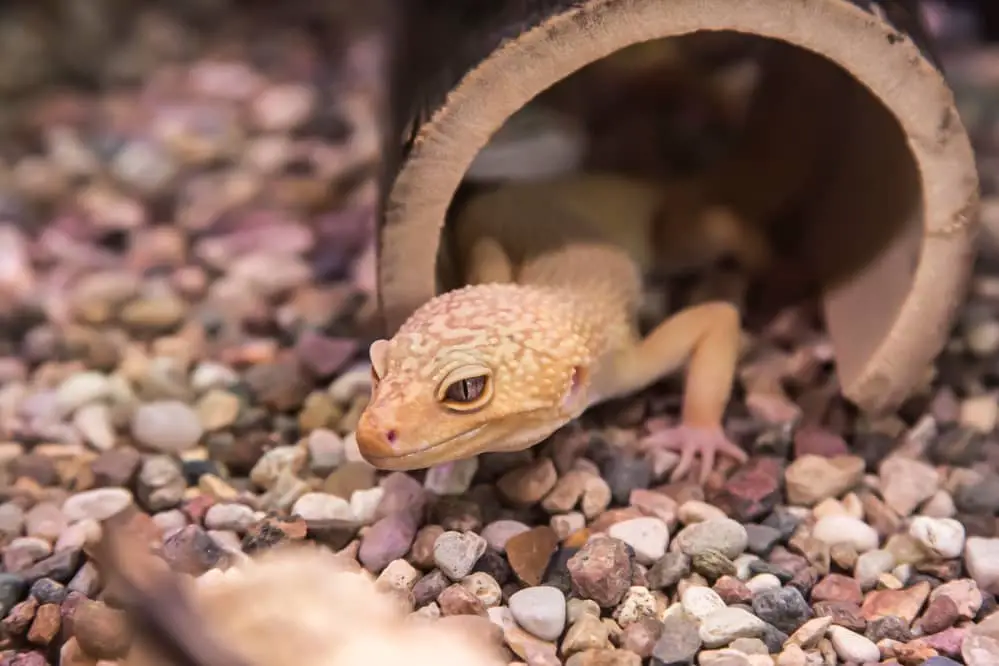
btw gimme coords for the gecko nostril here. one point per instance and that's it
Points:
(390, 436)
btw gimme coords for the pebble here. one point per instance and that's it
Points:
(161, 483)
(453, 478)
(498, 532)
(98, 504)
(94, 423)
(944, 537)
(586, 633)
(484, 587)
(648, 537)
(723, 535)
(852, 647)
(601, 570)
(217, 409)
(839, 529)
(540, 610)
(680, 640)
(80, 389)
(322, 506)
(812, 478)
(388, 539)
(907, 483)
(699, 602)
(529, 553)
(166, 426)
(229, 516)
(727, 624)
(981, 557)
(455, 553)
(784, 608)
(871, 565)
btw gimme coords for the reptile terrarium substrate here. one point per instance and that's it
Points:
(888, 208)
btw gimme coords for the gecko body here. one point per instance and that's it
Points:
(547, 327)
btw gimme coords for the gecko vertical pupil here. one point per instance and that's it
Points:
(466, 390)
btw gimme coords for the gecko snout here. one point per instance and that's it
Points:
(375, 438)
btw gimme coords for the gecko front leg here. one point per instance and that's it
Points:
(706, 335)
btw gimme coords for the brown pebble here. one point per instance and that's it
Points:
(842, 613)
(421, 554)
(837, 587)
(529, 553)
(753, 491)
(528, 485)
(941, 613)
(20, 617)
(102, 631)
(281, 384)
(606, 657)
(46, 624)
(904, 603)
(348, 478)
(457, 600)
(733, 591)
(190, 550)
(601, 571)
(914, 653)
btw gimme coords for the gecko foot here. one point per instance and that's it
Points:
(690, 441)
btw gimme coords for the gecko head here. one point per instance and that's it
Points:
(463, 377)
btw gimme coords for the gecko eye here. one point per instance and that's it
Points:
(466, 391)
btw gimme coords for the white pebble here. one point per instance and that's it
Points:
(981, 557)
(727, 624)
(853, 647)
(834, 530)
(455, 553)
(742, 564)
(166, 426)
(98, 504)
(540, 611)
(695, 511)
(94, 423)
(648, 536)
(763, 582)
(364, 503)
(80, 389)
(980, 413)
(229, 516)
(944, 537)
(453, 478)
(322, 506)
(701, 601)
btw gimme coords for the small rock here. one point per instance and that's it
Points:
(116, 468)
(907, 483)
(387, 540)
(723, 535)
(80, 389)
(46, 521)
(699, 602)
(528, 485)
(46, 624)
(586, 633)
(161, 483)
(981, 557)
(326, 451)
(530, 552)
(321, 507)
(725, 625)
(601, 570)
(679, 643)
(94, 423)
(647, 536)
(668, 570)
(904, 603)
(964, 593)
(167, 426)
(941, 613)
(811, 478)
(838, 529)
(217, 409)
(192, 551)
(498, 532)
(944, 537)
(540, 610)
(852, 647)
(784, 608)
(230, 516)
(457, 600)
(871, 565)
(452, 478)
(99, 504)
(484, 587)
(455, 553)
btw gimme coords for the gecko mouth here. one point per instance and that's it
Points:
(426, 455)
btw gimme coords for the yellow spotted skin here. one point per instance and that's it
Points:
(555, 272)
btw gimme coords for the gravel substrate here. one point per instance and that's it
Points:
(185, 279)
